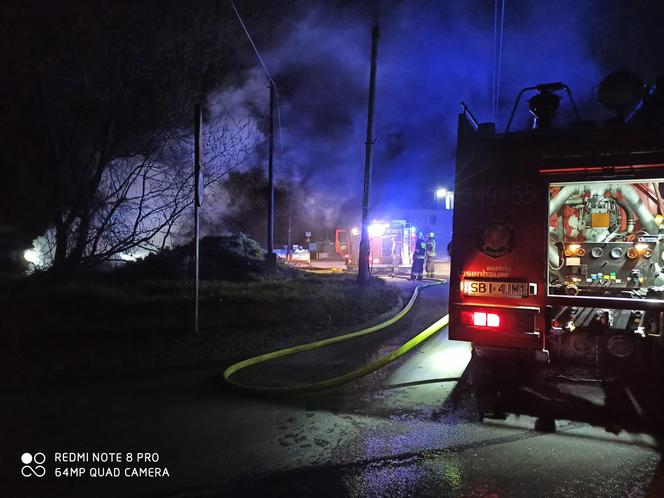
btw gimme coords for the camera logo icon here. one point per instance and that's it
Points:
(33, 465)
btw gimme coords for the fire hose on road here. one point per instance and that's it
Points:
(349, 376)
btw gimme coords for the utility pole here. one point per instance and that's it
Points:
(290, 224)
(270, 257)
(363, 263)
(198, 118)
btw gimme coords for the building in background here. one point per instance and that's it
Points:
(434, 217)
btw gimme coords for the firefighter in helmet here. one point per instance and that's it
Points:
(430, 255)
(418, 258)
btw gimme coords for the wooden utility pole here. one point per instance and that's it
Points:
(198, 118)
(290, 224)
(270, 257)
(363, 263)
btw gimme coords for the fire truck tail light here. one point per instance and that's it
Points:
(483, 319)
(492, 320)
(479, 319)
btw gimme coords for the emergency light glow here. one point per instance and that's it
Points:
(377, 230)
(441, 193)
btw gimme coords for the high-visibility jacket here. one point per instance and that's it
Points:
(431, 248)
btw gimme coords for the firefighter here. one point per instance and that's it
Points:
(431, 254)
(396, 255)
(418, 258)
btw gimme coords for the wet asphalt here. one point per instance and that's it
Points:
(433, 423)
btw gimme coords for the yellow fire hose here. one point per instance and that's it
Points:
(347, 377)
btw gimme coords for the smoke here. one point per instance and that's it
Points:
(431, 56)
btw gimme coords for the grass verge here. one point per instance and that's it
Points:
(87, 327)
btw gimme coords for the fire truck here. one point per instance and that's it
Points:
(391, 244)
(557, 252)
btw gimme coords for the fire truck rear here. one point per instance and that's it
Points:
(391, 245)
(557, 252)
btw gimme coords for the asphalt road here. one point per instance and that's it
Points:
(434, 423)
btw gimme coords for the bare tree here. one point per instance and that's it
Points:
(146, 199)
(115, 82)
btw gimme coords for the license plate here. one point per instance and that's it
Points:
(495, 289)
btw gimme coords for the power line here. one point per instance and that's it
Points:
(270, 258)
(260, 59)
(281, 139)
(500, 53)
(498, 36)
(495, 45)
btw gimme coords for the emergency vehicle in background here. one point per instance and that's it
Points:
(558, 240)
(391, 244)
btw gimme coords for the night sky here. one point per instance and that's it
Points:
(432, 55)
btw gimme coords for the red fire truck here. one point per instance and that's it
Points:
(558, 238)
(391, 244)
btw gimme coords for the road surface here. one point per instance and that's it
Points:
(433, 423)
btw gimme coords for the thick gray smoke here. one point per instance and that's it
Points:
(432, 55)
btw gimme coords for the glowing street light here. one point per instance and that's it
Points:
(444, 195)
(32, 256)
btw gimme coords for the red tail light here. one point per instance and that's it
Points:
(492, 320)
(479, 319)
(483, 319)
